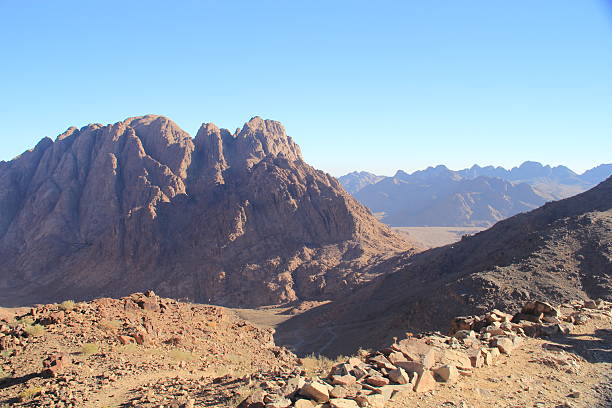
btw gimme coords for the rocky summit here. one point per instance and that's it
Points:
(226, 218)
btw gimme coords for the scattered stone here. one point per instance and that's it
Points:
(381, 362)
(56, 364)
(399, 376)
(425, 382)
(316, 391)
(504, 344)
(447, 373)
(343, 380)
(377, 381)
(304, 403)
(342, 403)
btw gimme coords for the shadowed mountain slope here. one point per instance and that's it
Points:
(233, 219)
(557, 252)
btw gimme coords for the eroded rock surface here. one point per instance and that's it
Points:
(229, 218)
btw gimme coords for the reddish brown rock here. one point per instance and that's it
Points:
(125, 339)
(342, 403)
(377, 381)
(56, 364)
(425, 382)
(399, 376)
(142, 205)
(315, 390)
(343, 380)
(419, 351)
(447, 373)
(381, 361)
(454, 357)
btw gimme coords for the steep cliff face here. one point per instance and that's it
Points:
(236, 219)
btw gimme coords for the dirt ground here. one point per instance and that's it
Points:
(560, 372)
(432, 237)
(567, 371)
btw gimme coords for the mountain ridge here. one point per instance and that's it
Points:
(113, 209)
(477, 196)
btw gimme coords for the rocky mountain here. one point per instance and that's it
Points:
(560, 251)
(438, 196)
(597, 174)
(227, 218)
(552, 183)
(442, 197)
(355, 181)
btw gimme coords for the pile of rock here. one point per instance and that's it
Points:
(12, 338)
(418, 364)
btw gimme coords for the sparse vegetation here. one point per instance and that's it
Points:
(67, 305)
(35, 330)
(27, 321)
(317, 365)
(90, 348)
(29, 394)
(6, 353)
(182, 355)
(110, 325)
(129, 348)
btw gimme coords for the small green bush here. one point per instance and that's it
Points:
(88, 349)
(35, 331)
(67, 305)
(27, 321)
(29, 394)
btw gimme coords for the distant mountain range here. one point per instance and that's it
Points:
(478, 196)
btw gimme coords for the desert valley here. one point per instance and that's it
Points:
(146, 268)
(305, 204)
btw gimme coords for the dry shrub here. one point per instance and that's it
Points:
(317, 365)
(112, 325)
(182, 355)
(29, 394)
(35, 330)
(88, 349)
(66, 305)
(129, 348)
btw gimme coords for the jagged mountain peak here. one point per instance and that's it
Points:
(225, 218)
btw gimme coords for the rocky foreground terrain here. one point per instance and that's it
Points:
(111, 352)
(146, 351)
(225, 218)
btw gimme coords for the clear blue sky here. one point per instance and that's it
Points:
(360, 85)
